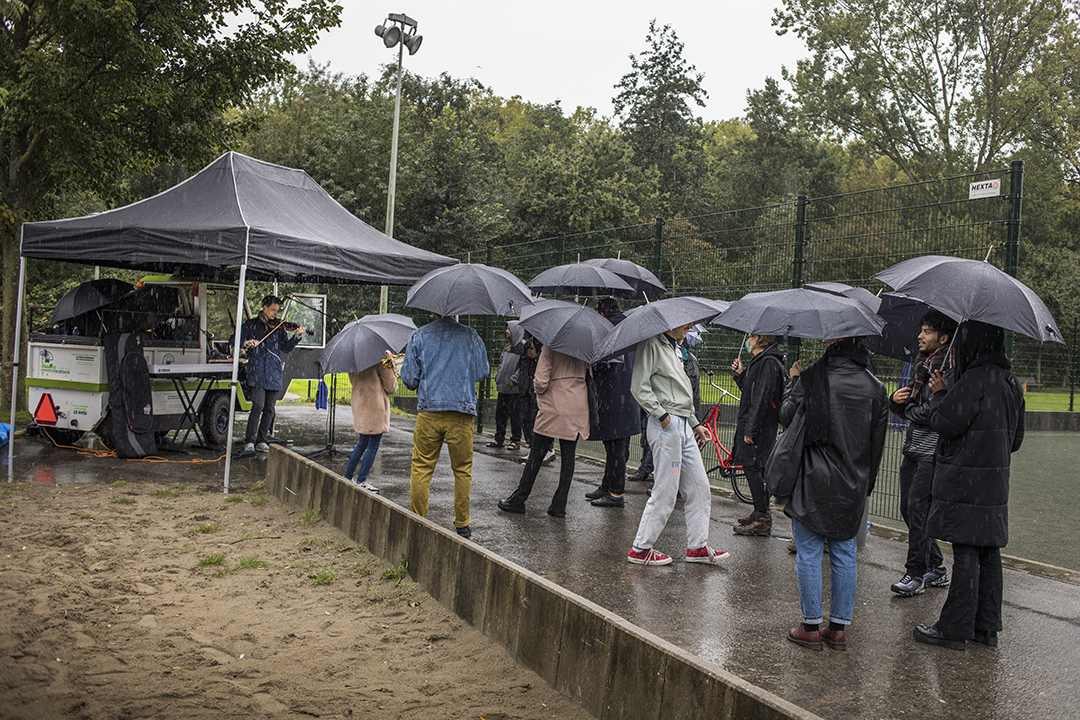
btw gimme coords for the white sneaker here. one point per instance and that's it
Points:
(368, 486)
(549, 458)
(262, 447)
(249, 448)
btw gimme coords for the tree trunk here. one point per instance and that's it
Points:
(10, 243)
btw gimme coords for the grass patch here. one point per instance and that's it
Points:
(165, 493)
(123, 501)
(207, 528)
(84, 516)
(234, 498)
(251, 562)
(310, 517)
(8, 488)
(118, 484)
(259, 487)
(216, 559)
(165, 507)
(177, 487)
(260, 501)
(399, 573)
(323, 576)
(1049, 401)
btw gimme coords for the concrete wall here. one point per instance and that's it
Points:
(1047, 420)
(610, 667)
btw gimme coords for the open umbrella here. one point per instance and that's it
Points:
(863, 295)
(364, 342)
(572, 329)
(973, 290)
(580, 279)
(88, 296)
(800, 313)
(650, 320)
(903, 322)
(635, 276)
(469, 289)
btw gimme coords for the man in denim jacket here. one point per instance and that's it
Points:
(443, 362)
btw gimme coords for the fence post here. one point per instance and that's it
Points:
(658, 250)
(485, 388)
(562, 250)
(1072, 366)
(1012, 237)
(800, 242)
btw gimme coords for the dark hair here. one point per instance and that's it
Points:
(272, 300)
(939, 322)
(607, 307)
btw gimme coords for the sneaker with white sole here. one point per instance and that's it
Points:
(365, 485)
(707, 555)
(249, 448)
(262, 447)
(647, 557)
(937, 577)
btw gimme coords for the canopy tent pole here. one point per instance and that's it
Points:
(15, 365)
(235, 374)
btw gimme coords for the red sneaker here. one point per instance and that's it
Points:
(707, 555)
(647, 557)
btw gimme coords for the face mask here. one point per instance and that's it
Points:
(747, 343)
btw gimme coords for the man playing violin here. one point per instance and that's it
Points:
(265, 339)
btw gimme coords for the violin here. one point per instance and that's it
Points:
(287, 325)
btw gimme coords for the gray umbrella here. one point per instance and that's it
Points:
(637, 277)
(580, 279)
(863, 295)
(364, 342)
(650, 320)
(801, 313)
(88, 296)
(469, 289)
(973, 290)
(572, 329)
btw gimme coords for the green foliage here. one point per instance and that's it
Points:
(324, 575)
(399, 573)
(213, 559)
(310, 517)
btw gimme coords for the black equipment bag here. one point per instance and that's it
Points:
(131, 404)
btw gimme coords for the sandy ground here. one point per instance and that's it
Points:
(109, 610)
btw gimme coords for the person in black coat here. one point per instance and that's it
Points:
(618, 414)
(980, 423)
(762, 386)
(844, 414)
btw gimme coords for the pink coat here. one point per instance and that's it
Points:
(561, 397)
(370, 399)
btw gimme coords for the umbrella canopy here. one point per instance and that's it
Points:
(364, 342)
(572, 329)
(650, 320)
(863, 295)
(88, 296)
(635, 276)
(580, 279)
(469, 289)
(800, 313)
(903, 322)
(973, 290)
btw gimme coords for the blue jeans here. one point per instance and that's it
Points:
(366, 447)
(811, 547)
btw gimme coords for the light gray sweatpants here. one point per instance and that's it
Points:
(677, 467)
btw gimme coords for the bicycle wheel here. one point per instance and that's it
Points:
(740, 485)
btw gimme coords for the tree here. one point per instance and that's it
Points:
(654, 103)
(938, 88)
(92, 89)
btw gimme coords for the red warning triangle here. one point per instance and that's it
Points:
(46, 411)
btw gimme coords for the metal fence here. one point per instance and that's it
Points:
(843, 238)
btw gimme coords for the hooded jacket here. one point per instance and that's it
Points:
(762, 386)
(980, 423)
(835, 478)
(618, 412)
(507, 378)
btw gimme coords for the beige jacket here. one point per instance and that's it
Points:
(561, 397)
(371, 390)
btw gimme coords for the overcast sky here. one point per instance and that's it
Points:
(574, 52)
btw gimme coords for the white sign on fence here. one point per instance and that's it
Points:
(984, 188)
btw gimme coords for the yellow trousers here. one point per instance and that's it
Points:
(432, 429)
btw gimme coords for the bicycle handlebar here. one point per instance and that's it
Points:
(709, 373)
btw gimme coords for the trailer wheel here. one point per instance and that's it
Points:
(63, 436)
(214, 419)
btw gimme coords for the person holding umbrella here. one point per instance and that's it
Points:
(980, 422)
(510, 388)
(370, 400)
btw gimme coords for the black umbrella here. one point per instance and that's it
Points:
(580, 279)
(572, 329)
(635, 276)
(973, 290)
(469, 289)
(650, 320)
(88, 296)
(863, 295)
(365, 342)
(903, 322)
(801, 313)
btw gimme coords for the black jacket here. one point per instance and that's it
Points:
(980, 423)
(619, 413)
(835, 479)
(762, 386)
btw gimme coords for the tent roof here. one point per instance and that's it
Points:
(234, 211)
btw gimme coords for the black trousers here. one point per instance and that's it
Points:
(537, 450)
(974, 602)
(616, 453)
(508, 408)
(755, 478)
(261, 419)
(528, 409)
(923, 551)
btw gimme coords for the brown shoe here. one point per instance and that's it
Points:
(834, 638)
(761, 527)
(799, 636)
(751, 518)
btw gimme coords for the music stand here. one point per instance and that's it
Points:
(331, 422)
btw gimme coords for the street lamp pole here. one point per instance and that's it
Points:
(400, 35)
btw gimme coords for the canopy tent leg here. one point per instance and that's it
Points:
(15, 365)
(235, 374)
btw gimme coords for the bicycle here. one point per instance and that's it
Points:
(727, 468)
